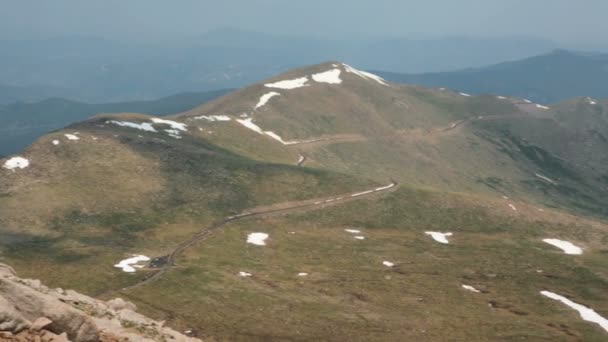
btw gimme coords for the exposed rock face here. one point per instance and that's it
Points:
(32, 311)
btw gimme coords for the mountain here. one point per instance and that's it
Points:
(327, 204)
(25, 122)
(91, 69)
(548, 78)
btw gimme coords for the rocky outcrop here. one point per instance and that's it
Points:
(30, 311)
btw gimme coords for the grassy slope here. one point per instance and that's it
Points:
(350, 295)
(132, 192)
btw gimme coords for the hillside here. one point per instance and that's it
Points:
(22, 123)
(545, 79)
(327, 204)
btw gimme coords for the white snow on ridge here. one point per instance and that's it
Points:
(365, 74)
(249, 124)
(331, 77)
(545, 178)
(465, 94)
(440, 237)
(501, 97)
(129, 265)
(265, 98)
(16, 163)
(586, 313)
(289, 84)
(142, 126)
(470, 288)
(258, 239)
(72, 137)
(213, 118)
(527, 101)
(174, 124)
(542, 107)
(567, 247)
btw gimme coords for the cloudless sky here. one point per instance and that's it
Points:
(565, 21)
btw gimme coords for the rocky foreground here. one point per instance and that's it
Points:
(30, 311)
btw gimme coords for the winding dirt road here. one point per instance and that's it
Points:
(202, 235)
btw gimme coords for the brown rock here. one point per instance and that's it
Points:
(41, 323)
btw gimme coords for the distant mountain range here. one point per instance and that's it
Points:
(99, 70)
(22, 123)
(547, 78)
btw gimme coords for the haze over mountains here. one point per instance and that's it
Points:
(327, 203)
(101, 70)
(546, 79)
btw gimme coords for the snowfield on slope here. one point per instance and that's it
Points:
(129, 265)
(141, 126)
(470, 288)
(440, 237)
(289, 84)
(566, 246)
(213, 118)
(258, 239)
(72, 137)
(330, 77)
(174, 124)
(265, 98)
(364, 74)
(586, 313)
(16, 163)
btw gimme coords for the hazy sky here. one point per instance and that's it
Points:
(565, 21)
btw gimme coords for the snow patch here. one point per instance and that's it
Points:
(265, 98)
(365, 74)
(16, 163)
(55, 142)
(586, 313)
(129, 265)
(141, 126)
(440, 237)
(213, 118)
(174, 124)
(352, 231)
(302, 274)
(567, 247)
(591, 101)
(542, 107)
(245, 274)
(72, 137)
(388, 263)
(249, 124)
(527, 101)
(258, 239)
(331, 77)
(289, 84)
(470, 288)
(501, 97)
(360, 237)
(465, 94)
(512, 207)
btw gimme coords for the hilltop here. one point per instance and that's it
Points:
(327, 203)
